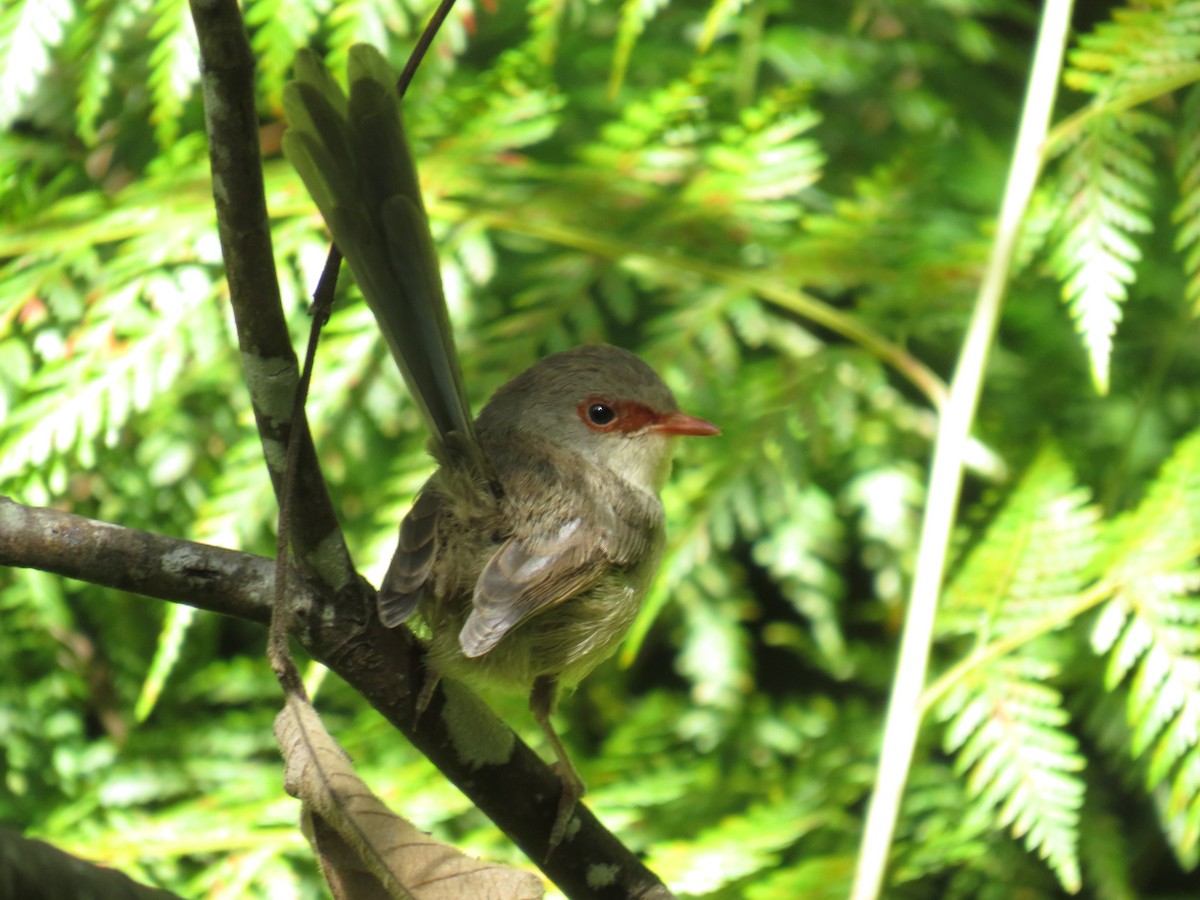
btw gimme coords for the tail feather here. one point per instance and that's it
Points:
(354, 159)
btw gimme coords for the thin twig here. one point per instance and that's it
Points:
(422, 45)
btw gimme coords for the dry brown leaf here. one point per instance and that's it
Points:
(401, 860)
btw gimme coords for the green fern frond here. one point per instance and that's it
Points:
(380, 22)
(887, 502)
(174, 66)
(166, 654)
(760, 164)
(1008, 729)
(759, 325)
(802, 550)
(1106, 181)
(720, 14)
(939, 823)
(29, 30)
(96, 40)
(1162, 535)
(719, 856)
(84, 396)
(1148, 49)
(545, 17)
(511, 107)
(1036, 555)
(657, 138)
(1007, 725)
(240, 505)
(1150, 632)
(1186, 214)
(1179, 826)
(635, 14)
(715, 656)
(280, 29)
(865, 233)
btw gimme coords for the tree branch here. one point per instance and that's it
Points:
(460, 735)
(34, 869)
(268, 359)
(140, 562)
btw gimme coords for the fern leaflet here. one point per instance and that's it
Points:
(1148, 49)
(1150, 631)
(1007, 725)
(1105, 191)
(97, 40)
(280, 29)
(1186, 215)
(635, 14)
(1036, 554)
(29, 29)
(174, 66)
(1008, 728)
(721, 15)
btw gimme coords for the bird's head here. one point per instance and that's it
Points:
(601, 402)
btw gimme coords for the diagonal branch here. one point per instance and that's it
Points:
(501, 775)
(33, 868)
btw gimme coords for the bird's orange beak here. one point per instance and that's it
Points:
(681, 423)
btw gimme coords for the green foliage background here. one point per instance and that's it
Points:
(753, 196)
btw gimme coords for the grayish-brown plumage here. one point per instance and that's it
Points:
(545, 579)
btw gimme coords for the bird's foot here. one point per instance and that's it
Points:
(432, 677)
(572, 793)
(541, 701)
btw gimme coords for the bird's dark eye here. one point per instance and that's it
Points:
(600, 414)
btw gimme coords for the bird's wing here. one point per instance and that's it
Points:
(353, 157)
(528, 575)
(404, 584)
(543, 567)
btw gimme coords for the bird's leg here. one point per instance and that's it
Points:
(541, 702)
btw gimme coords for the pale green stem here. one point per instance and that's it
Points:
(945, 479)
(1066, 131)
(1062, 615)
(762, 285)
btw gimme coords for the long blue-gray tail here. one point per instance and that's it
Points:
(354, 159)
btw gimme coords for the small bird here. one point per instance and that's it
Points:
(529, 551)
(532, 581)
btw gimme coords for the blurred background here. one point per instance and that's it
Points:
(785, 208)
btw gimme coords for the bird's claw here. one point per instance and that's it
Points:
(572, 793)
(432, 677)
